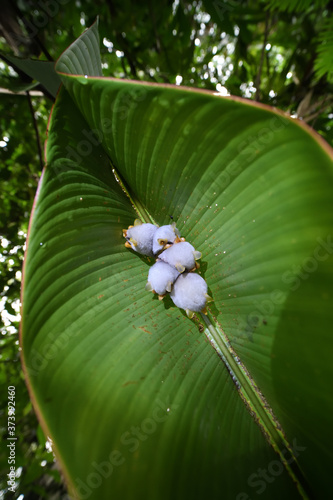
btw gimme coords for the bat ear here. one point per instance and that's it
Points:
(148, 287)
(189, 313)
(177, 233)
(180, 268)
(197, 255)
(137, 222)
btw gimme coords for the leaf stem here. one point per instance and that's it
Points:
(257, 405)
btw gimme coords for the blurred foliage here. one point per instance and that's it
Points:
(295, 5)
(324, 61)
(278, 52)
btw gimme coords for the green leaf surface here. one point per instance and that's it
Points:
(138, 401)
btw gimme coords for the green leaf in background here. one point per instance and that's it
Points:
(15, 85)
(139, 400)
(324, 63)
(42, 71)
(294, 5)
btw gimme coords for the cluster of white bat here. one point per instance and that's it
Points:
(176, 261)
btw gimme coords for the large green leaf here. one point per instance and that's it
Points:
(139, 400)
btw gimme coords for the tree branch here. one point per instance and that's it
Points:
(39, 148)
